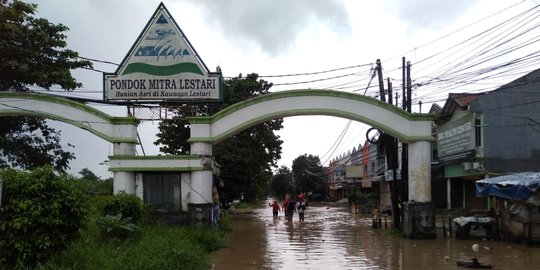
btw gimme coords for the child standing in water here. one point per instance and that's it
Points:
(301, 206)
(275, 209)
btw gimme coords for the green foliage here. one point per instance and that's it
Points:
(242, 205)
(116, 227)
(33, 50)
(33, 53)
(225, 224)
(281, 183)
(158, 247)
(89, 175)
(128, 205)
(308, 174)
(41, 215)
(28, 143)
(247, 158)
(104, 187)
(210, 240)
(96, 186)
(174, 133)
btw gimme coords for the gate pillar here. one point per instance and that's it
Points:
(124, 181)
(201, 205)
(420, 171)
(419, 212)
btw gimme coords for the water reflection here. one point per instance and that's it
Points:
(333, 238)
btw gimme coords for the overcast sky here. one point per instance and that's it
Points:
(287, 37)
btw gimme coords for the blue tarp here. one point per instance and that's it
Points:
(517, 186)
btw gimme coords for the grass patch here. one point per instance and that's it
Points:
(157, 246)
(242, 205)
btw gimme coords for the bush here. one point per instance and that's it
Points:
(116, 227)
(104, 187)
(41, 215)
(158, 246)
(210, 240)
(128, 205)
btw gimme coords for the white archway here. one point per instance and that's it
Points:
(412, 128)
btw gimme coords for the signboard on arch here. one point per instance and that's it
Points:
(162, 66)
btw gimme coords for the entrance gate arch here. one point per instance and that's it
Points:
(411, 128)
(196, 168)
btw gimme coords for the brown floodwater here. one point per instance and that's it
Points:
(333, 238)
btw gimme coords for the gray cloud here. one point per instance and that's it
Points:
(273, 25)
(429, 13)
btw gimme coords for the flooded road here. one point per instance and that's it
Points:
(333, 238)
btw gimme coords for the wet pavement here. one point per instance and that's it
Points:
(333, 238)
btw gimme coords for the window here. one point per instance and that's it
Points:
(162, 191)
(434, 152)
(478, 131)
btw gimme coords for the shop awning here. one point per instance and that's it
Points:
(517, 186)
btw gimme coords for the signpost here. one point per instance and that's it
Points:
(455, 140)
(162, 66)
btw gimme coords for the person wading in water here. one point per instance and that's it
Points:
(284, 205)
(291, 208)
(275, 209)
(301, 206)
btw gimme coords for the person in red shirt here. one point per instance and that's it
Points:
(275, 209)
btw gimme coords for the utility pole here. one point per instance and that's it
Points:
(403, 184)
(407, 89)
(404, 85)
(390, 145)
(409, 86)
(381, 82)
(389, 90)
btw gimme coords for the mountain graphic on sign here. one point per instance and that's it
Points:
(162, 20)
(163, 70)
(162, 50)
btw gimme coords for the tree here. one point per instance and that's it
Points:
(174, 133)
(89, 175)
(96, 185)
(246, 158)
(308, 174)
(33, 52)
(41, 215)
(281, 183)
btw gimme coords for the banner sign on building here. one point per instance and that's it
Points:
(162, 66)
(354, 171)
(455, 138)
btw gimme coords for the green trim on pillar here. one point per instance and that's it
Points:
(182, 157)
(201, 140)
(155, 169)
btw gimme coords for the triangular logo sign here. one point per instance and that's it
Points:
(162, 65)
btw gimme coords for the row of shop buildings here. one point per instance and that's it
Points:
(477, 136)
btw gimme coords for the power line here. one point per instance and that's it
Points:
(314, 73)
(99, 61)
(316, 80)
